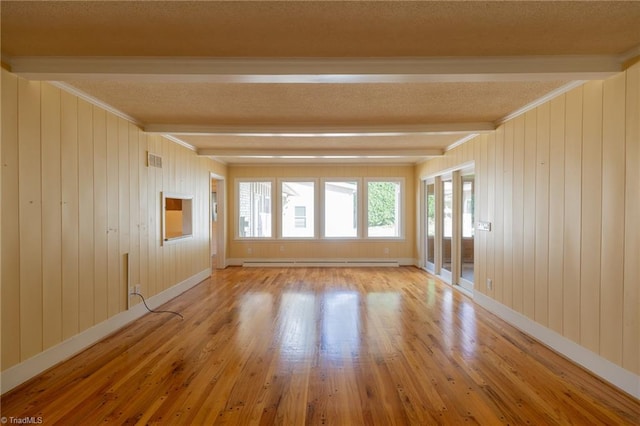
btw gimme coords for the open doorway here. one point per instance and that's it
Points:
(218, 254)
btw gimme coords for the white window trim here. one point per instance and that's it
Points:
(316, 208)
(401, 214)
(274, 193)
(319, 208)
(359, 213)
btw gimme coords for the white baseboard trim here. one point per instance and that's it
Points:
(20, 373)
(311, 262)
(623, 379)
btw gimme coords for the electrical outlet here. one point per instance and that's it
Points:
(386, 250)
(281, 248)
(489, 284)
(137, 288)
(249, 250)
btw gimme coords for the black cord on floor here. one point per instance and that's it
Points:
(156, 312)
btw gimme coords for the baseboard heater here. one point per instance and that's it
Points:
(327, 263)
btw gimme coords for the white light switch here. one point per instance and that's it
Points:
(483, 226)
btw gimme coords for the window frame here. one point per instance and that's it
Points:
(358, 213)
(319, 225)
(272, 208)
(401, 207)
(316, 204)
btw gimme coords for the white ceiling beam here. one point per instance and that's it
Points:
(320, 130)
(320, 153)
(318, 70)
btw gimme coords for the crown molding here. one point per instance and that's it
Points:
(630, 57)
(546, 98)
(180, 142)
(461, 141)
(95, 101)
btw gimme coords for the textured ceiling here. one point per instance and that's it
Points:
(316, 104)
(317, 29)
(521, 34)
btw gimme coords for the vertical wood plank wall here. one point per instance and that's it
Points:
(564, 202)
(77, 197)
(560, 184)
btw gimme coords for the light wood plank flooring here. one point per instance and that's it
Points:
(334, 346)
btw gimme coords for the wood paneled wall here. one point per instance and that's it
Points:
(321, 248)
(77, 198)
(561, 186)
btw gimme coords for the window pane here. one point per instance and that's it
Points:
(254, 204)
(447, 195)
(340, 209)
(297, 209)
(431, 222)
(467, 246)
(383, 209)
(467, 207)
(447, 223)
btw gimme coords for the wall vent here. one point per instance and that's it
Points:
(154, 160)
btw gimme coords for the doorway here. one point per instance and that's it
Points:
(448, 238)
(217, 237)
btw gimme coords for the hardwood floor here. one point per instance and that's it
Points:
(334, 346)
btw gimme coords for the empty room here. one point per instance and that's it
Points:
(320, 212)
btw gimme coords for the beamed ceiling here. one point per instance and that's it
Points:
(313, 81)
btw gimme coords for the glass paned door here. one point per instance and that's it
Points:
(447, 224)
(430, 201)
(468, 220)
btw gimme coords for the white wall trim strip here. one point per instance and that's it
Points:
(20, 373)
(630, 54)
(461, 141)
(288, 262)
(97, 102)
(544, 99)
(179, 142)
(94, 101)
(601, 367)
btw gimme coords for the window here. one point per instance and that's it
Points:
(311, 207)
(447, 211)
(467, 240)
(254, 209)
(447, 224)
(298, 207)
(467, 206)
(431, 222)
(341, 208)
(383, 208)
